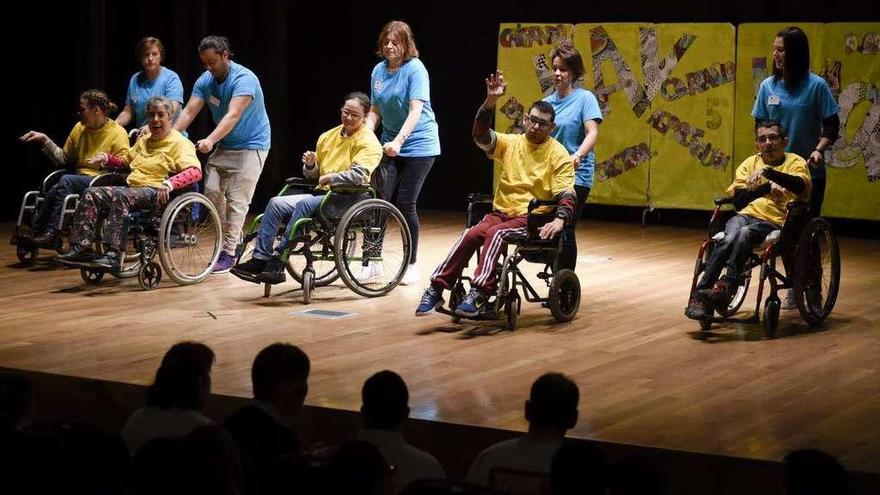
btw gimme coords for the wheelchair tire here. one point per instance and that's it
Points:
(372, 230)
(190, 238)
(565, 295)
(817, 271)
(26, 252)
(512, 309)
(308, 284)
(770, 320)
(456, 296)
(150, 275)
(325, 270)
(91, 276)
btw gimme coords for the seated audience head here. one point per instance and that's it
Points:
(385, 401)
(355, 109)
(358, 467)
(150, 53)
(183, 380)
(215, 54)
(553, 403)
(280, 376)
(539, 122)
(16, 396)
(95, 108)
(578, 468)
(813, 472)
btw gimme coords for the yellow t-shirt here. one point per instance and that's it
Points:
(771, 207)
(152, 161)
(84, 143)
(529, 171)
(336, 153)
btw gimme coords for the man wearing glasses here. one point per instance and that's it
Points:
(532, 165)
(765, 183)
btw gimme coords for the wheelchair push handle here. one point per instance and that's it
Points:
(723, 201)
(479, 198)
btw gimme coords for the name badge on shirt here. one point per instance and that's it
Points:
(377, 85)
(773, 100)
(213, 100)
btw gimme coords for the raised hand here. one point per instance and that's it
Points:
(39, 137)
(308, 158)
(495, 86)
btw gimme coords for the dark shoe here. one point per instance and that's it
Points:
(77, 254)
(473, 303)
(273, 273)
(697, 309)
(431, 300)
(249, 270)
(719, 295)
(110, 260)
(50, 239)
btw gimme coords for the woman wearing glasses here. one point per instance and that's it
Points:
(346, 154)
(402, 103)
(577, 118)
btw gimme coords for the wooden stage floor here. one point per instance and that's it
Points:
(644, 377)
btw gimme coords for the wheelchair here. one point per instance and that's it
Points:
(355, 236)
(28, 252)
(814, 272)
(186, 235)
(564, 288)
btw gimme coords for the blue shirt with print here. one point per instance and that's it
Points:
(141, 89)
(391, 92)
(571, 113)
(252, 132)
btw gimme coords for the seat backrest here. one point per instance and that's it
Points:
(479, 205)
(797, 215)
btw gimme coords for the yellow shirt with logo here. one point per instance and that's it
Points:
(529, 171)
(336, 153)
(84, 143)
(771, 207)
(151, 161)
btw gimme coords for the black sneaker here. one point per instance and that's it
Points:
(77, 254)
(249, 270)
(273, 273)
(110, 260)
(50, 239)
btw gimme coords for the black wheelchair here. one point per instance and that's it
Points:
(564, 288)
(28, 252)
(363, 240)
(186, 234)
(813, 269)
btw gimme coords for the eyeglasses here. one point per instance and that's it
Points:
(769, 138)
(539, 123)
(351, 115)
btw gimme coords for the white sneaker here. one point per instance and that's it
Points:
(788, 301)
(411, 275)
(373, 273)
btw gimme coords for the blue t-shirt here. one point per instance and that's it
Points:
(800, 112)
(141, 89)
(252, 132)
(571, 113)
(392, 92)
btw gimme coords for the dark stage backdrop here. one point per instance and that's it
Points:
(307, 55)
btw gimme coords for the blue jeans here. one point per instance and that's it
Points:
(295, 206)
(741, 234)
(399, 181)
(50, 211)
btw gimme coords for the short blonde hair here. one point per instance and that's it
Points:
(404, 35)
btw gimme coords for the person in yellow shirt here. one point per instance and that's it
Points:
(764, 185)
(95, 132)
(346, 154)
(154, 156)
(533, 165)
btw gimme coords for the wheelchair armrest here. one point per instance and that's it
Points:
(53, 178)
(479, 198)
(723, 201)
(537, 203)
(300, 182)
(109, 179)
(353, 189)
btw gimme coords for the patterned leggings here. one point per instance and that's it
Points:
(113, 204)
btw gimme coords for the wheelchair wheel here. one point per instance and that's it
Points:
(150, 275)
(456, 296)
(817, 271)
(190, 237)
(308, 284)
(325, 269)
(91, 276)
(372, 247)
(565, 295)
(770, 321)
(131, 261)
(512, 308)
(26, 252)
(742, 289)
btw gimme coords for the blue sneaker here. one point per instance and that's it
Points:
(473, 303)
(224, 263)
(431, 300)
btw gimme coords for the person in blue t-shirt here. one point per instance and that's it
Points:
(803, 103)
(242, 137)
(577, 118)
(154, 80)
(410, 139)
